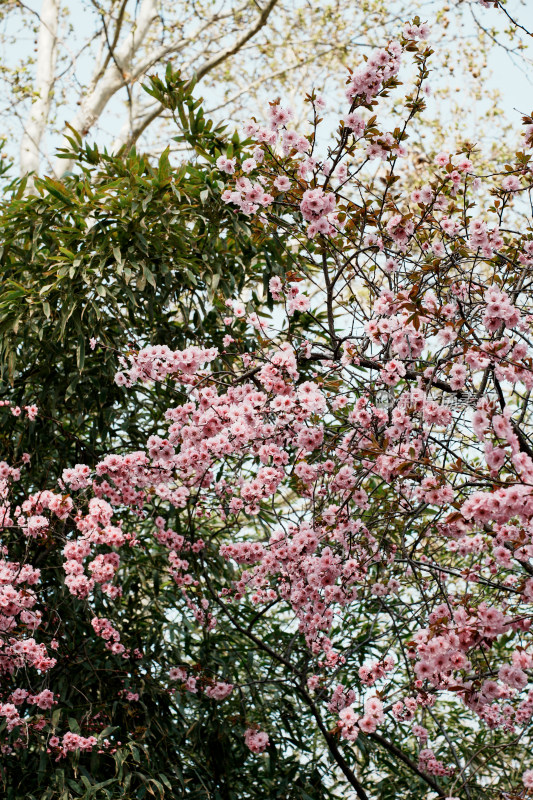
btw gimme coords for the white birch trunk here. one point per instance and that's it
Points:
(35, 127)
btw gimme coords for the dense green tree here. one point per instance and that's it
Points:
(125, 252)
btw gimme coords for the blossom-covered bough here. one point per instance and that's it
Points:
(356, 472)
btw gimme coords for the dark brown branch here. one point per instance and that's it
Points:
(406, 760)
(329, 738)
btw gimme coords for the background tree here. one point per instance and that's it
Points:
(89, 59)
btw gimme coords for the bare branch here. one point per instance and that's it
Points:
(113, 79)
(146, 119)
(217, 59)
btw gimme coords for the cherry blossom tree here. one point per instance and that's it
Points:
(339, 503)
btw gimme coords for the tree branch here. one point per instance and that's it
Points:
(213, 62)
(113, 79)
(329, 738)
(149, 116)
(406, 760)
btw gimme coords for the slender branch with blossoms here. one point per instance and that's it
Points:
(362, 464)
